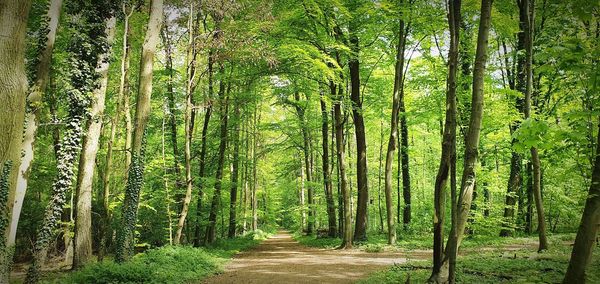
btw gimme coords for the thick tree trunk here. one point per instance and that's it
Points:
(13, 92)
(82, 252)
(581, 256)
(448, 139)
(360, 228)
(389, 159)
(447, 269)
(216, 200)
(331, 219)
(233, 194)
(34, 101)
(341, 159)
(125, 240)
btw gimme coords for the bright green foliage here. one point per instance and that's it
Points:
(167, 264)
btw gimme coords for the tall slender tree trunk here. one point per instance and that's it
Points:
(13, 93)
(34, 102)
(389, 159)
(82, 250)
(341, 162)
(331, 219)
(360, 228)
(207, 116)
(463, 205)
(106, 233)
(527, 8)
(379, 210)
(448, 139)
(300, 109)
(216, 201)
(581, 256)
(189, 125)
(125, 240)
(168, 45)
(234, 173)
(406, 212)
(253, 198)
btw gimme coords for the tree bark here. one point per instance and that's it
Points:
(389, 159)
(341, 161)
(216, 201)
(360, 228)
(135, 178)
(13, 93)
(447, 269)
(581, 256)
(448, 139)
(82, 250)
(123, 89)
(201, 173)
(331, 219)
(300, 109)
(189, 125)
(34, 102)
(234, 173)
(527, 8)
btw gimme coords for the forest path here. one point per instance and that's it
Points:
(281, 259)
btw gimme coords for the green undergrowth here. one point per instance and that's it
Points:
(413, 241)
(496, 266)
(170, 264)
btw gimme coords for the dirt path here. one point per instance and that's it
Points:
(281, 259)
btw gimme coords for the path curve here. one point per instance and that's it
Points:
(281, 259)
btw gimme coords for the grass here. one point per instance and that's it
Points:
(170, 264)
(498, 265)
(484, 259)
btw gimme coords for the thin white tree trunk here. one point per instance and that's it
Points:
(34, 101)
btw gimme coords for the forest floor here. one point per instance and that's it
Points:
(282, 259)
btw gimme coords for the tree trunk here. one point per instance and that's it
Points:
(189, 126)
(82, 250)
(125, 240)
(216, 201)
(389, 159)
(34, 101)
(171, 104)
(379, 210)
(360, 228)
(201, 173)
(13, 93)
(331, 219)
(254, 169)
(123, 89)
(527, 8)
(341, 161)
(307, 165)
(448, 139)
(234, 173)
(581, 256)
(447, 269)
(406, 215)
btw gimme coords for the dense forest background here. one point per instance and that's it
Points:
(150, 124)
